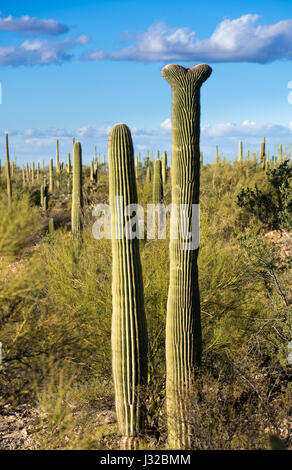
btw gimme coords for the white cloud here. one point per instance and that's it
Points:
(166, 125)
(238, 40)
(33, 144)
(40, 52)
(31, 25)
(247, 129)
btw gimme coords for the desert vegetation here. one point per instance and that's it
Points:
(89, 327)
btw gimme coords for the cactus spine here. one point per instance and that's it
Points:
(77, 200)
(157, 183)
(183, 324)
(8, 174)
(129, 334)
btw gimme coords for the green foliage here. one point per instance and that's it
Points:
(56, 307)
(271, 206)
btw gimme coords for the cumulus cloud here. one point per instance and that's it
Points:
(40, 52)
(33, 143)
(247, 129)
(166, 125)
(31, 25)
(238, 40)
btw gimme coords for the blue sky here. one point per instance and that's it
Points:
(76, 68)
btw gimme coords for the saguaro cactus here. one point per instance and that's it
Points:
(157, 183)
(183, 324)
(51, 178)
(149, 174)
(280, 151)
(69, 164)
(164, 167)
(263, 153)
(240, 152)
(217, 158)
(129, 333)
(8, 174)
(77, 200)
(58, 166)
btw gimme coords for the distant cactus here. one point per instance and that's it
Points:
(157, 183)
(183, 324)
(32, 173)
(149, 174)
(77, 200)
(164, 167)
(240, 152)
(91, 178)
(51, 226)
(280, 151)
(8, 174)
(129, 335)
(51, 177)
(69, 164)
(38, 173)
(96, 171)
(217, 155)
(23, 176)
(58, 166)
(44, 195)
(263, 154)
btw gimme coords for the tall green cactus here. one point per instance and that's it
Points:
(149, 174)
(157, 183)
(280, 151)
(58, 166)
(164, 167)
(217, 159)
(69, 164)
(129, 333)
(32, 173)
(51, 177)
(183, 324)
(240, 152)
(77, 199)
(91, 178)
(23, 177)
(263, 153)
(38, 173)
(8, 174)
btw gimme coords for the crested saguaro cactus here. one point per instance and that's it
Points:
(129, 333)
(8, 174)
(183, 324)
(77, 199)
